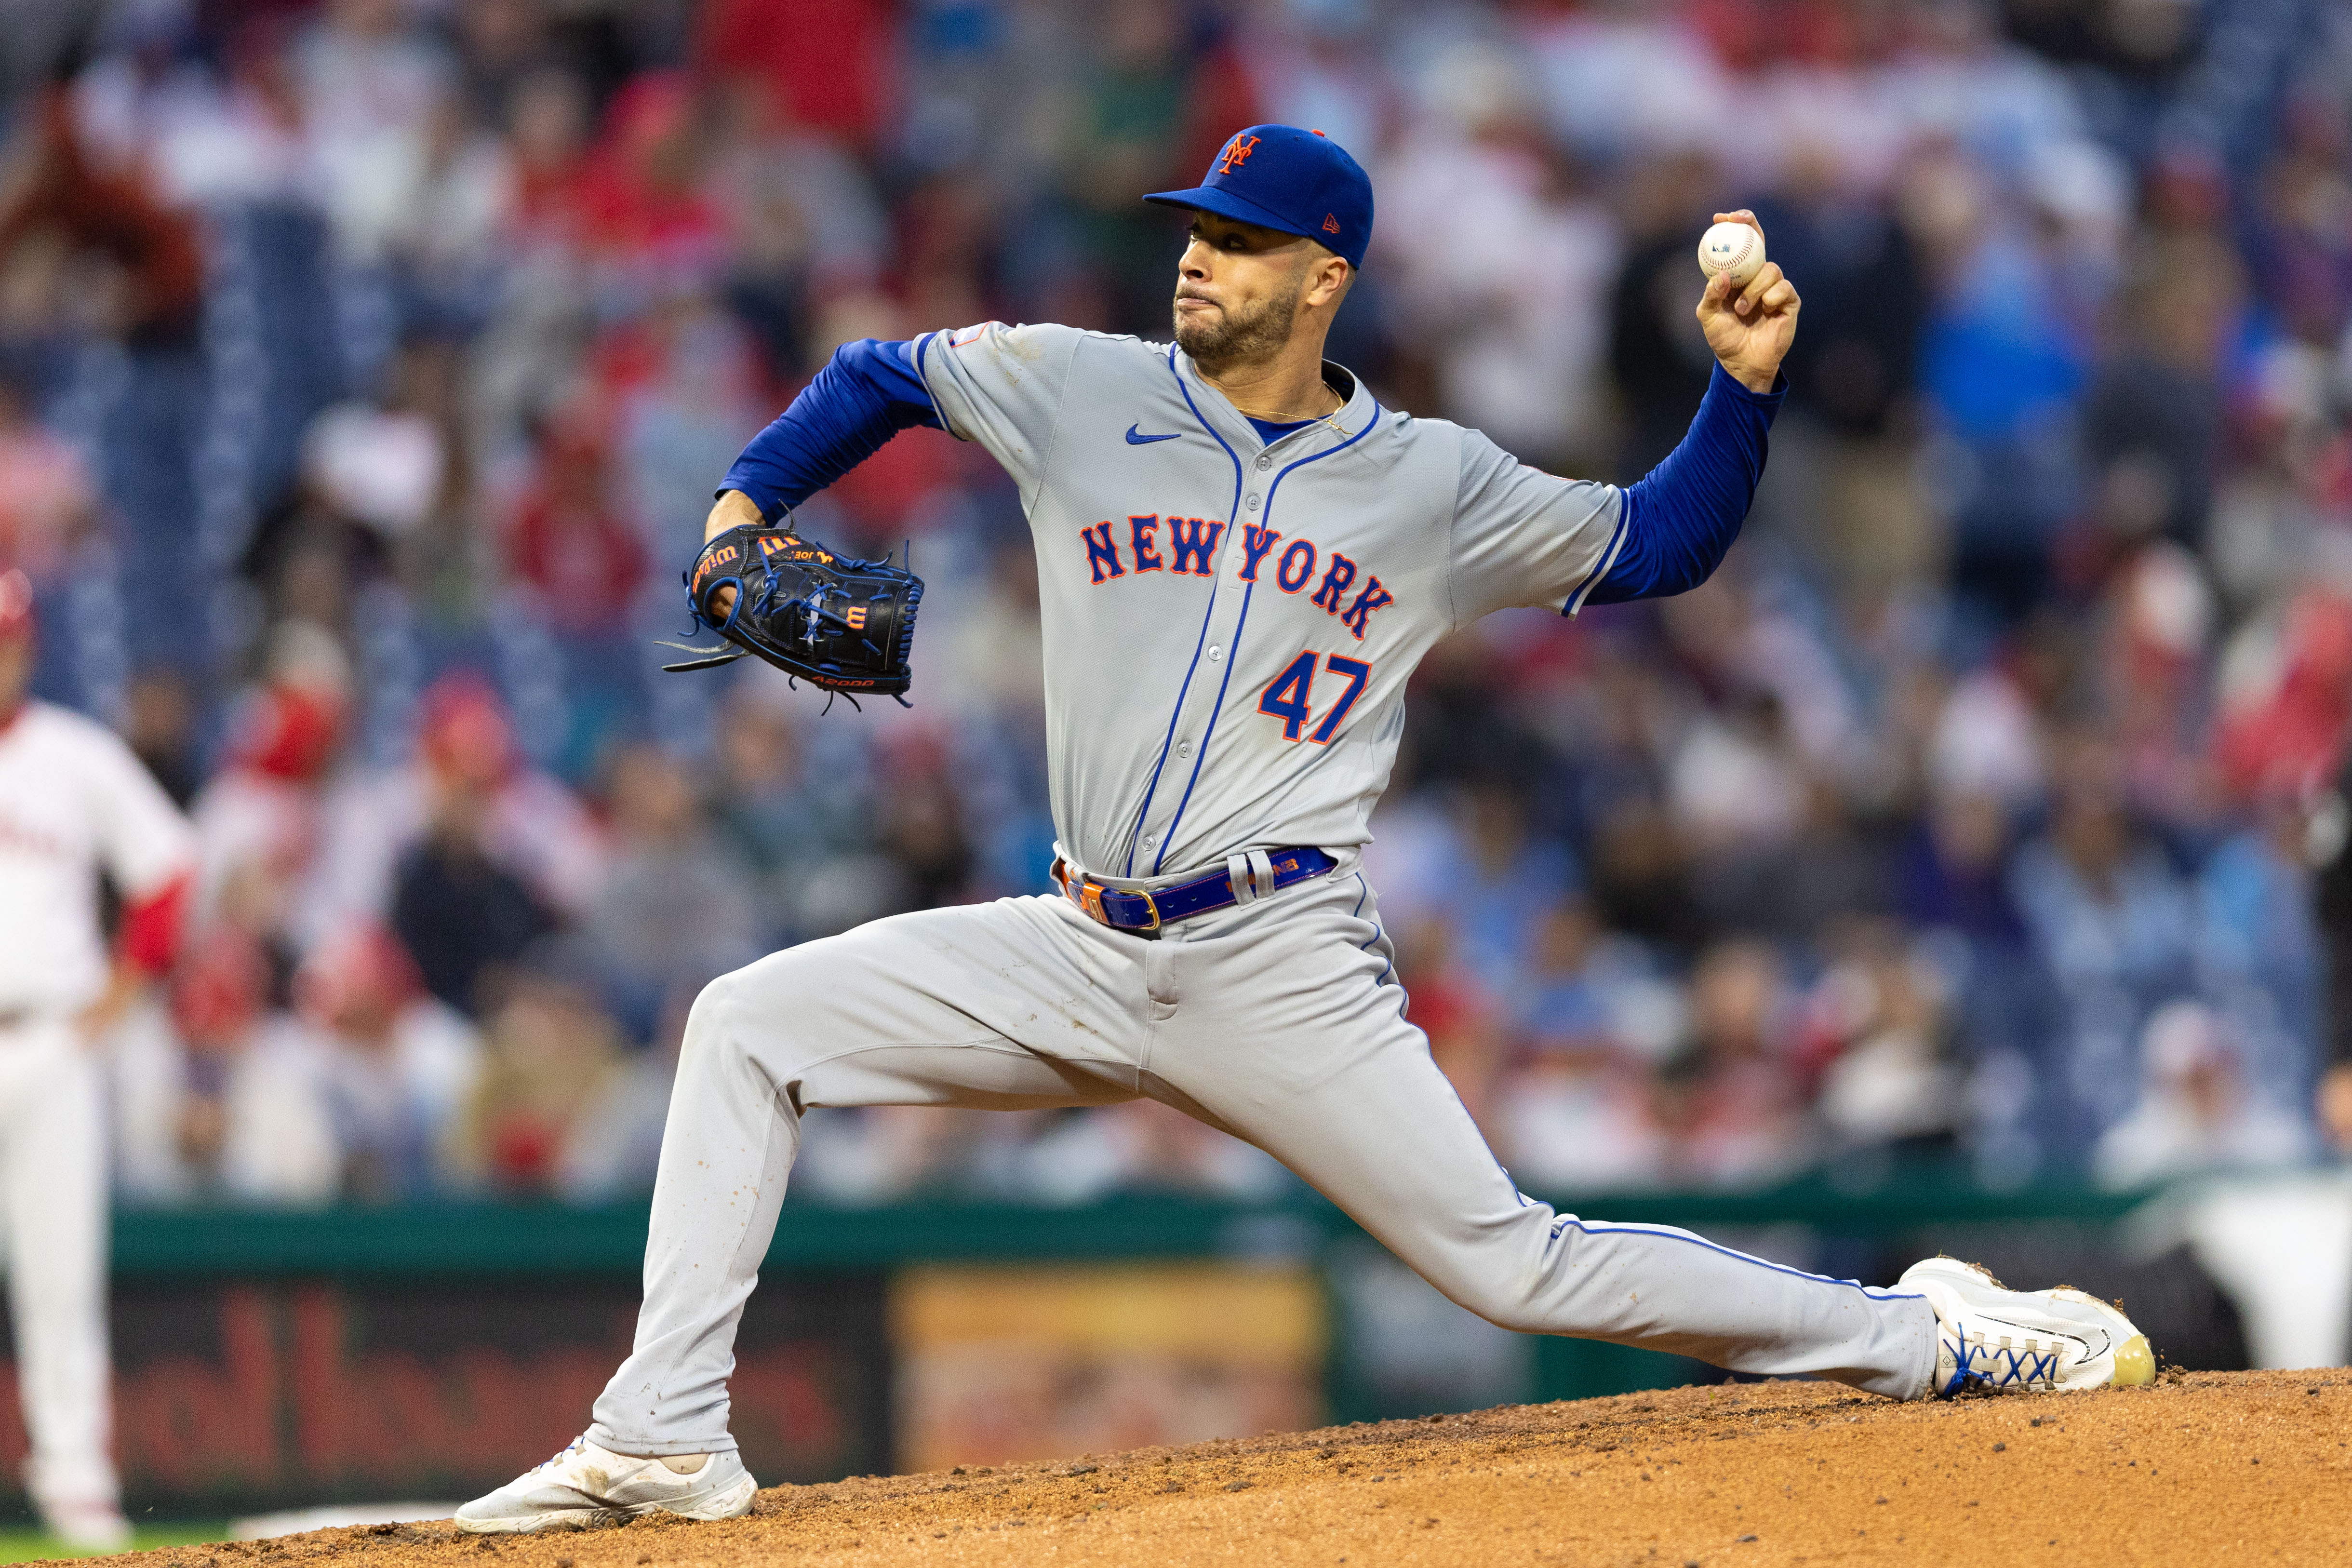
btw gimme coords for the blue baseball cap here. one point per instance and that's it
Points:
(1279, 176)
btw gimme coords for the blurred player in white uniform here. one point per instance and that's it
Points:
(73, 803)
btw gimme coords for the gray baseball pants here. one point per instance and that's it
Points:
(1279, 1022)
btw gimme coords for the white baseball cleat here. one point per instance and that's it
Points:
(1993, 1339)
(586, 1485)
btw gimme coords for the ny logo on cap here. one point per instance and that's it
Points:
(1237, 152)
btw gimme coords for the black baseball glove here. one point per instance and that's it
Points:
(846, 626)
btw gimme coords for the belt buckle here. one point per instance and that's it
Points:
(1089, 895)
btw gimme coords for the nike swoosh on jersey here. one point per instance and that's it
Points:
(1135, 439)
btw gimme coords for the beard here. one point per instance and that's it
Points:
(1243, 336)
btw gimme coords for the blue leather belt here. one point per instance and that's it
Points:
(1142, 914)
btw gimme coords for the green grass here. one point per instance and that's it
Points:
(22, 1544)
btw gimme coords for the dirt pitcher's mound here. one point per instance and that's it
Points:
(2208, 1468)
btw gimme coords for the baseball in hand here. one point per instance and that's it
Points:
(1734, 247)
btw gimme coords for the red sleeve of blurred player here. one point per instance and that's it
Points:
(151, 927)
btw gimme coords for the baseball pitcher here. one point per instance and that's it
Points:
(1241, 557)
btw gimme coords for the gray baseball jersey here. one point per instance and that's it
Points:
(1229, 624)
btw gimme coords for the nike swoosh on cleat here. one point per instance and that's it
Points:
(1134, 440)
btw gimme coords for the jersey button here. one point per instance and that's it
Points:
(1251, 503)
(1151, 841)
(1184, 748)
(1264, 463)
(1215, 653)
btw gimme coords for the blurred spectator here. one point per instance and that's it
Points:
(402, 1063)
(499, 42)
(550, 1055)
(1621, 77)
(2004, 361)
(806, 223)
(2284, 715)
(258, 820)
(677, 910)
(442, 228)
(455, 905)
(1578, 1116)
(47, 500)
(546, 121)
(645, 210)
(2152, 418)
(786, 823)
(1987, 740)
(826, 59)
(138, 263)
(2110, 920)
(1864, 299)
(569, 541)
(368, 82)
(1461, 1018)
(1503, 881)
(2259, 953)
(1152, 106)
(2196, 1112)
(1501, 259)
(1952, 875)
(378, 466)
(1878, 1035)
(252, 1119)
(495, 823)
(1739, 788)
(1844, 491)
(689, 403)
(921, 825)
(1657, 357)
(615, 1147)
(459, 912)
(1315, 63)
(1737, 1112)
(159, 723)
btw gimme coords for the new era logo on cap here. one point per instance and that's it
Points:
(1281, 177)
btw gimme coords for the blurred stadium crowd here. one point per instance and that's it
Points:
(368, 364)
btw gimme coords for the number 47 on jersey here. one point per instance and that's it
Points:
(1291, 696)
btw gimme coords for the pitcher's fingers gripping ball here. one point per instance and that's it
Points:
(1749, 321)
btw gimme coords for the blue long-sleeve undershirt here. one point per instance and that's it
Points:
(1678, 521)
(867, 393)
(1681, 519)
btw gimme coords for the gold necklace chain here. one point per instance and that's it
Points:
(1327, 418)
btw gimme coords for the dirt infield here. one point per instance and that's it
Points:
(2207, 1468)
